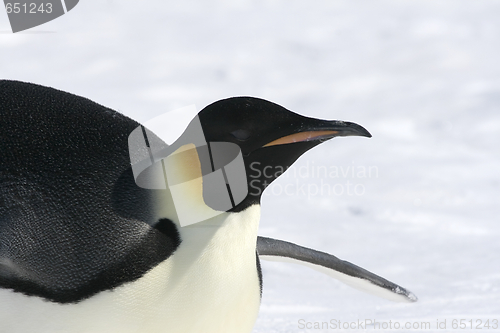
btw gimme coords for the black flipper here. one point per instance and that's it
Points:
(355, 276)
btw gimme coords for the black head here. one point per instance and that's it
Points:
(268, 135)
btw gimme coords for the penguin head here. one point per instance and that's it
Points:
(270, 137)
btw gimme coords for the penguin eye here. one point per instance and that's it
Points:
(241, 134)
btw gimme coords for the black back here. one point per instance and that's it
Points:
(72, 220)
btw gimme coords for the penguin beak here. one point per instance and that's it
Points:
(322, 130)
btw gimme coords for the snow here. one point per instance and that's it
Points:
(422, 76)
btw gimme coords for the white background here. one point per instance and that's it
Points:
(422, 76)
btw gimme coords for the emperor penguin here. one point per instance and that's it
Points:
(84, 248)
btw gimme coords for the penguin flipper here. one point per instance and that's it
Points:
(354, 276)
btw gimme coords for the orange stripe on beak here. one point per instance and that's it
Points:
(302, 136)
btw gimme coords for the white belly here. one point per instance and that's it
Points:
(210, 284)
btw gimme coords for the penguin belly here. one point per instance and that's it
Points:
(210, 284)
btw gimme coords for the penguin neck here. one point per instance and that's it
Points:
(228, 233)
(227, 229)
(184, 204)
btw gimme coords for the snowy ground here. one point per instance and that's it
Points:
(422, 76)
